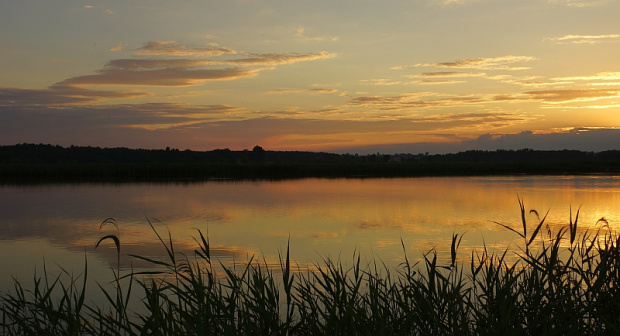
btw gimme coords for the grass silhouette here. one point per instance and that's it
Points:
(560, 283)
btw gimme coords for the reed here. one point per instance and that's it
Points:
(561, 283)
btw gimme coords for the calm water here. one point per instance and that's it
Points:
(59, 224)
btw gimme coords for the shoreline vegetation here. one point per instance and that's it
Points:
(562, 283)
(31, 163)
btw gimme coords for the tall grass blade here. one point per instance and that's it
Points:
(523, 220)
(114, 238)
(573, 225)
(535, 233)
(509, 228)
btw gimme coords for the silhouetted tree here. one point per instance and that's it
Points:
(258, 154)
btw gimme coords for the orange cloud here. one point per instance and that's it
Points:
(580, 4)
(601, 76)
(584, 39)
(284, 91)
(533, 81)
(379, 81)
(149, 64)
(555, 96)
(315, 90)
(60, 95)
(300, 32)
(184, 72)
(158, 77)
(436, 82)
(120, 46)
(492, 63)
(256, 59)
(430, 78)
(412, 101)
(319, 90)
(172, 48)
(278, 58)
(442, 74)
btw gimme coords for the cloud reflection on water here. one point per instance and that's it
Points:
(322, 217)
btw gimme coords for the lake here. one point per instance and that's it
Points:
(59, 224)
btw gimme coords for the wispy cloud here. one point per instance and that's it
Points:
(105, 10)
(456, 2)
(555, 96)
(252, 60)
(380, 82)
(529, 81)
(301, 33)
(148, 116)
(599, 78)
(414, 101)
(580, 4)
(490, 63)
(284, 91)
(153, 70)
(174, 115)
(158, 77)
(278, 58)
(220, 126)
(550, 98)
(584, 39)
(313, 90)
(119, 47)
(443, 77)
(472, 117)
(321, 90)
(173, 48)
(609, 78)
(150, 64)
(437, 82)
(60, 95)
(176, 72)
(443, 74)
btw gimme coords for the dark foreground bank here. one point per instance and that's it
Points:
(562, 283)
(40, 163)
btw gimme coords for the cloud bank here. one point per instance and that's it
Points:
(584, 139)
(161, 64)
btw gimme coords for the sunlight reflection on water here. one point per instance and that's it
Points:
(322, 217)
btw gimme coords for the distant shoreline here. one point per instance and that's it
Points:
(28, 163)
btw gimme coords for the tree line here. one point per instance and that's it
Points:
(52, 162)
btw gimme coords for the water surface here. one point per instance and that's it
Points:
(59, 224)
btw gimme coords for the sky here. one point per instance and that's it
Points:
(345, 76)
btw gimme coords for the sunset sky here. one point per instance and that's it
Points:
(340, 76)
